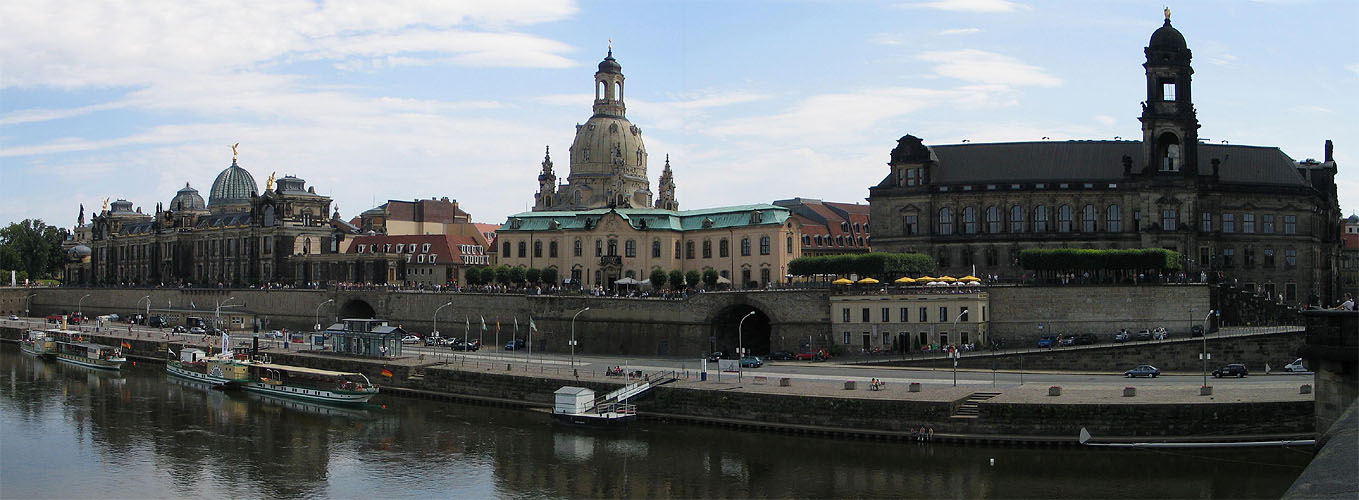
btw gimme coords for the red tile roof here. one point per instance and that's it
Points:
(446, 248)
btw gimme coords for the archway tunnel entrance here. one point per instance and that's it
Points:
(357, 308)
(729, 332)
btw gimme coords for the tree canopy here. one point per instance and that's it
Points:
(880, 265)
(33, 247)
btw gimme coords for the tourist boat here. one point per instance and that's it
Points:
(89, 354)
(38, 343)
(308, 384)
(221, 371)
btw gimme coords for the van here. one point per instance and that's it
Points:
(1295, 366)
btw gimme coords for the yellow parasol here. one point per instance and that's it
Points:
(947, 279)
(926, 279)
(868, 281)
(842, 281)
(904, 279)
(969, 278)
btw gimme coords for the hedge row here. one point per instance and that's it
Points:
(877, 264)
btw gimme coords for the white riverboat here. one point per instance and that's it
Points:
(89, 354)
(219, 371)
(38, 343)
(578, 406)
(309, 384)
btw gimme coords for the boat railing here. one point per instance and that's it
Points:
(620, 408)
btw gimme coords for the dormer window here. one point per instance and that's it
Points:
(362, 247)
(432, 257)
(400, 247)
(387, 248)
(420, 259)
(425, 248)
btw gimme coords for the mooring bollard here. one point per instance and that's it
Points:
(1305, 389)
(1055, 390)
(1206, 390)
(914, 387)
(1129, 392)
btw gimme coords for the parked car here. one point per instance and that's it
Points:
(1143, 371)
(1143, 334)
(470, 345)
(1295, 366)
(514, 345)
(818, 355)
(410, 339)
(751, 362)
(1086, 339)
(433, 340)
(13, 318)
(714, 356)
(197, 331)
(1066, 340)
(1122, 336)
(179, 329)
(1196, 331)
(781, 356)
(274, 334)
(1160, 333)
(1237, 370)
(1048, 341)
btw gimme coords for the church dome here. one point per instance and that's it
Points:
(610, 65)
(233, 186)
(609, 147)
(1167, 37)
(187, 199)
(78, 252)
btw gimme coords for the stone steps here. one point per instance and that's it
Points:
(970, 408)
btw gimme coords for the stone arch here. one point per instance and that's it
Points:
(357, 308)
(756, 334)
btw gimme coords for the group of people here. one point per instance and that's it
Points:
(925, 433)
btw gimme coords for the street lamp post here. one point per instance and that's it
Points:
(80, 310)
(435, 333)
(953, 353)
(741, 345)
(1205, 346)
(318, 313)
(217, 313)
(147, 318)
(573, 342)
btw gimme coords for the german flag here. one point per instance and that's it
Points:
(126, 345)
(386, 372)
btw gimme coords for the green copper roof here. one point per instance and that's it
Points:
(651, 218)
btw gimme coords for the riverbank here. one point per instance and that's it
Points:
(1008, 415)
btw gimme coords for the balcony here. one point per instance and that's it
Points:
(610, 260)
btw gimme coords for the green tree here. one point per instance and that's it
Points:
(676, 279)
(533, 274)
(34, 247)
(692, 277)
(550, 276)
(473, 276)
(516, 275)
(657, 278)
(710, 278)
(502, 274)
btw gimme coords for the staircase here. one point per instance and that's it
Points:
(969, 408)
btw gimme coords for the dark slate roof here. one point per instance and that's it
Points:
(1053, 161)
(223, 220)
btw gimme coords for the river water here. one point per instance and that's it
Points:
(72, 432)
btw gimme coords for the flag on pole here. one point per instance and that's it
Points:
(172, 351)
(516, 325)
(126, 345)
(483, 323)
(386, 372)
(532, 327)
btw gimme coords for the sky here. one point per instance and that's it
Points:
(753, 101)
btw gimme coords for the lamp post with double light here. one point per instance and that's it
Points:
(146, 320)
(573, 343)
(741, 346)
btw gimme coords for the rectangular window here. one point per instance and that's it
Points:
(1290, 224)
(912, 225)
(1269, 257)
(1290, 258)
(924, 314)
(1267, 223)
(1228, 257)
(1167, 91)
(1228, 223)
(962, 312)
(1169, 219)
(1205, 256)
(1248, 256)
(912, 176)
(1207, 222)
(846, 338)
(886, 315)
(844, 313)
(1290, 292)
(599, 249)
(865, 315)
(905, 314)
(689, 251)
(943, 313)
(1248, 223)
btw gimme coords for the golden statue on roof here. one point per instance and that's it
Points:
(106, 204)
(233, 151)
(269, 185)
(1167, 12)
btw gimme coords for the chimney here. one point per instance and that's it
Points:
(1330, 151)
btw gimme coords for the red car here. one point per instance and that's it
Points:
(811, 356)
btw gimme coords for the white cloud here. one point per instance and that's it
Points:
(1105, 120)
(1353, 68)
(980, 66)
(980, 6)
(960, 31)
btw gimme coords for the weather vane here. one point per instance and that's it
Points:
(233, 151)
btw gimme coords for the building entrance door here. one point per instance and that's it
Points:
(868, 342)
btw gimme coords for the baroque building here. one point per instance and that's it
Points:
(830, 228)
(238, 237)
(1245, 213)
(603, 225)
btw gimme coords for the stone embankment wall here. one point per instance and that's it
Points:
(1175, 354)
(1016, 311)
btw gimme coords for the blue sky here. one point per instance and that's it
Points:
(753, 101)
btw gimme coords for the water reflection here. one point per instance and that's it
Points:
(140, 434)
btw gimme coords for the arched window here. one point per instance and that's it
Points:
(689, 249)
(656, 249)
(745, 247)
(807, 239)
(1113, 219)
(764, 245)
(677, 249)
(992, 220)
(552, 249)
(707, 249)
(970, 220)
(1016, 219)
(818, 240)
(1064, 219)
(537, 249)
(724, 248)
(1040, 219)
(523, 249)
(599, 248)
(306, 245)
(945, 221)
(1088, 215)
(630, 248)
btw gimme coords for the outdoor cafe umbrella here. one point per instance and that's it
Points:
(722, 280)
(969, 278)
(842, 281)
(868, 281)
(947, 279)
(904, 279)
(925, 279)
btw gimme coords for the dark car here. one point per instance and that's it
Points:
(470, 345)
(1086, 339)
(751, 362)
(180, 329)
(1143, 371)
(1196, 331)
(714, 356)
(514, 345)
(1143, 334)
(1237, 370)
(781, 356)
(1067, 340)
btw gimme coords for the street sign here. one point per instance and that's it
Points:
(1208, 354)
(571, 342)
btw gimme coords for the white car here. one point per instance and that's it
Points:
(273, 334)
(13, 318)
(1295, 366)
(410, 339)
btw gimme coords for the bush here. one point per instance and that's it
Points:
(710, 278)
(516, 275)
(549, 276)
(533, 274)
(692, 278)
(882, 265)
(657, 279)
(676, 280)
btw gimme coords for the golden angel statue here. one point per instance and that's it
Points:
(233, 151)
